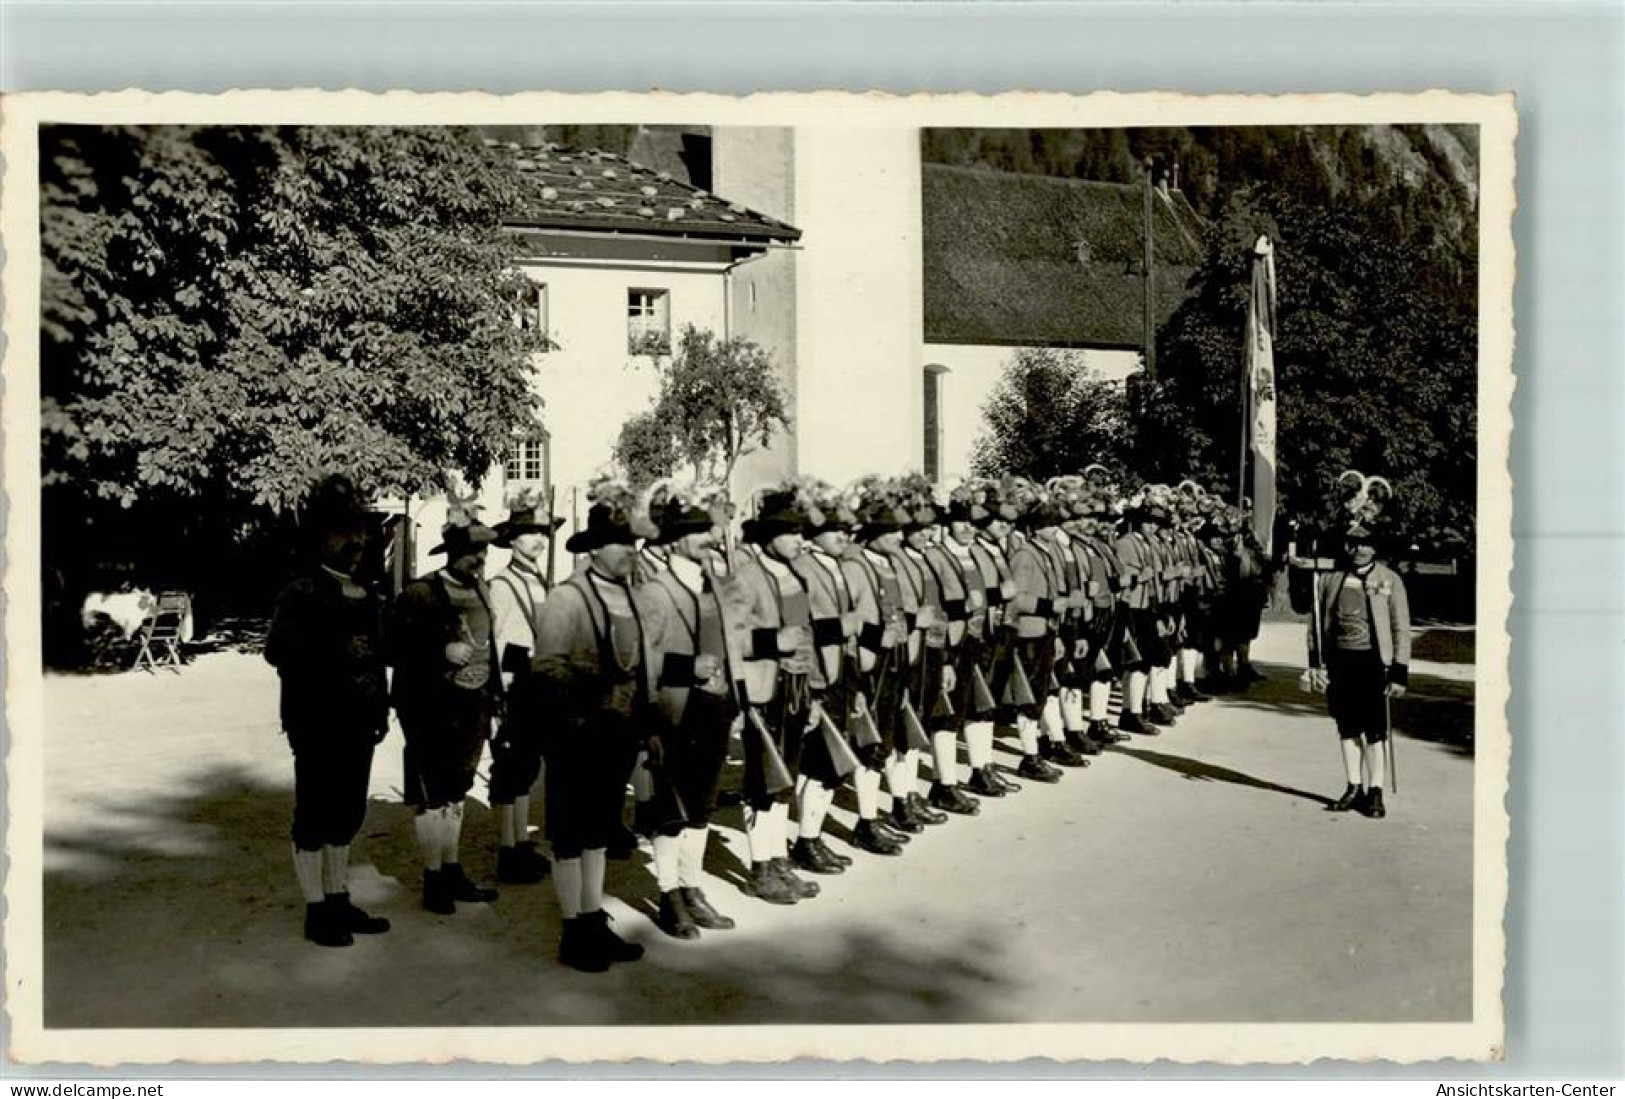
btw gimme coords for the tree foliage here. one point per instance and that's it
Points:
(1375, 362)
(228, 312)
(718, 401)
(1050, 414)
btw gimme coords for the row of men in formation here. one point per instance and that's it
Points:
(851, 636)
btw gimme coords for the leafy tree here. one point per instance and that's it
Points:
(228, 312)
(1375, 360)
(719, 400)
(1050, 415)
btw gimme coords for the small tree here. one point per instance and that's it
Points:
(1049, 415)
(719, 400)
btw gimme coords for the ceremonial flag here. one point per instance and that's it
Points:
(1260, 369)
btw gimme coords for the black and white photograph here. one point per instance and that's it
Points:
(736, 579)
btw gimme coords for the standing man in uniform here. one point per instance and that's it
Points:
(326, 643)
(517, 595)
(447, 691)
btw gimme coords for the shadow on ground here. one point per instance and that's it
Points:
(179, 910)
(1435, 710)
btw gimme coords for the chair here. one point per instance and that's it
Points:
(163, 632)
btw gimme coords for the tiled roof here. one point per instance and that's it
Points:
(596, 191)
(1025, 259)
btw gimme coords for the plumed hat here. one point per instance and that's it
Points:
(617, 516)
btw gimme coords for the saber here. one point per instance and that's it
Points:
(1388, 726)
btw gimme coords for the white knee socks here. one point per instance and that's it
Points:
(1072, 709)
(451, 834)
(815, 799)
(505, 825)
(1050, 717)
(428, 826)
(691, 856)
(1027, 730)
(1375, 765)
(780, 834)
(1187, 666)
(336, 869)
(592, 881)
(643, 783)
(1351, 761)
(1158, 688)
(945, 757)
(1134, 688)
(567, 884)
(1100, 700)
(978, 744)
(667, 858)
(759, 834)
(307, 866)
(867, 784)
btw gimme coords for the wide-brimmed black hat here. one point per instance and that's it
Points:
(923, 516)
(608, 525)
(779, 513)
(462, 534)
(525, 520)
(833, 516)
(678, 519)
(334, 506)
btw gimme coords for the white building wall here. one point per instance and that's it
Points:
(858, 302)
(973, 372)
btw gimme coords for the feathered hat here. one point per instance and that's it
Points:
(689, 508)
(618, 516)
(917, 494)
(464, 530)
(837, 508)
(334, 505)
(781, 509)
(879, 509)
(1365, 503)
(526, 515)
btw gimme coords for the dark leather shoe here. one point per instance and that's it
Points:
(923, 812)
(1102, 734)
(1352, 799)
(437, 896)
(1373, 806)
(1191, 693)
(998, 775)
(1159, 713)
(767, 886)
(951, 799)
(1037, 770)
(830, 853)
(1056, 752)
(985, 785)
(353, 919)
(1135, 723)
(674, 918)
(703, 915)
(610, 945)
(579, 947)
(324, 925)
(901, 820)
(805, 889)
(806, 856)
(521, 864)
(890, 831)
(461, 889)
(1081, 743)
(867, 837)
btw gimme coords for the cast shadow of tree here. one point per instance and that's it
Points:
(178, 909)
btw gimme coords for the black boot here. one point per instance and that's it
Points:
(1058, 753)
(521, 864)
(999, 777)
(765, 885)
(1135, 723)
(1160, 713)
(1036, 769)
(1081, 743)
(437, 896)
(805, 890)
(806, 856)
(610, 945)
(324, 925)
(675, 918)
(1101, 733)
(353, 919)
(951, 799)
(984, 784)
(1191, 693)
(831, 854)
(700, 910)
(461, 889)
(579, 947)
(923, 812)
(901, 820)
(867, 836)
(1373, 806)
(1352, 799)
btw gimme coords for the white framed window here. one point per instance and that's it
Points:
(648, 321)
(527, 463)
(533, 314)
(932, 434)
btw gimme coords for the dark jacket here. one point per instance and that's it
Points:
(422, 623)
(328, 651)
